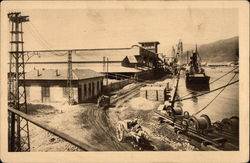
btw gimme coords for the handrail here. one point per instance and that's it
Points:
(54, 131)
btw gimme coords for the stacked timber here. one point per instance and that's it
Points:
(161, 94)
(154, 92)
(159, 91)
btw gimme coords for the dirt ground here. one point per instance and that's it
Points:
(161, 136)
(97, 127)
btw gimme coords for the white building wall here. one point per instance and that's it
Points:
(56, 94)
(35, 93)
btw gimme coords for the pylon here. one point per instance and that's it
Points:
(69, 79)
(18, 127)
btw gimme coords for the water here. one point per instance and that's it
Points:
(225, 105)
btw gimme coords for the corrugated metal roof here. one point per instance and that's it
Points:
(54, 74)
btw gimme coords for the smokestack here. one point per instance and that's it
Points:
(57, 72)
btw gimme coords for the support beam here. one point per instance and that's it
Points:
(54, 131)
(65, 50)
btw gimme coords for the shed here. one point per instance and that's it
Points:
(50, 85)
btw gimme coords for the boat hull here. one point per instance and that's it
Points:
(197, 81)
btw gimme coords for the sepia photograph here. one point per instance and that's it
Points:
(131, 77)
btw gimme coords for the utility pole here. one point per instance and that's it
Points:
(69, 79)
(18, 127)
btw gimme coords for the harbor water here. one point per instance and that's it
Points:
(225, 105)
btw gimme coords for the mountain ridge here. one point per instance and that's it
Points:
(224, 50)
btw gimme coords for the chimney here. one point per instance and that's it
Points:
(38, 73)
(57, 72)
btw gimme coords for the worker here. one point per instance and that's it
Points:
(132, 123)
(137, 128)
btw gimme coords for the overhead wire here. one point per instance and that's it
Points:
(36, 34)
(36, 37)
(214, 97)
(210, 82)
(208, 92)
(44, 40)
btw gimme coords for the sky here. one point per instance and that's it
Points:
(105, 28)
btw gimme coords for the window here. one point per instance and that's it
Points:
(98, 86)
(93, 88)
(82, 91)
(89, 89)
(85, 90)
(101, 85)
(45, 91)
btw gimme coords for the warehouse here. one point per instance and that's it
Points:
(50, 85)
(132, 61)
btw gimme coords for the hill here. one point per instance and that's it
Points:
(225, 50)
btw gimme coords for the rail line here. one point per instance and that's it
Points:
(132, 92)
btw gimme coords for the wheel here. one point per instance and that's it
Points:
(184, 125)
(120, 132)
(186, 114)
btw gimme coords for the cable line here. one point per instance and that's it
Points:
(223, 75)
(214, 97)
(211, 82)
(41, 39)
(207, 92)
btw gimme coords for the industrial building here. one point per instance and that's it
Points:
(50, 85)
(122, 61)
(132, 61)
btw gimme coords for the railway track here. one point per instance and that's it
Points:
(132, 92)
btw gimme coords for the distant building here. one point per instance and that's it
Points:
(50, 85)
(151, 46)
(149, 52)
(132, 61)
(127, 62)
(217, 64)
